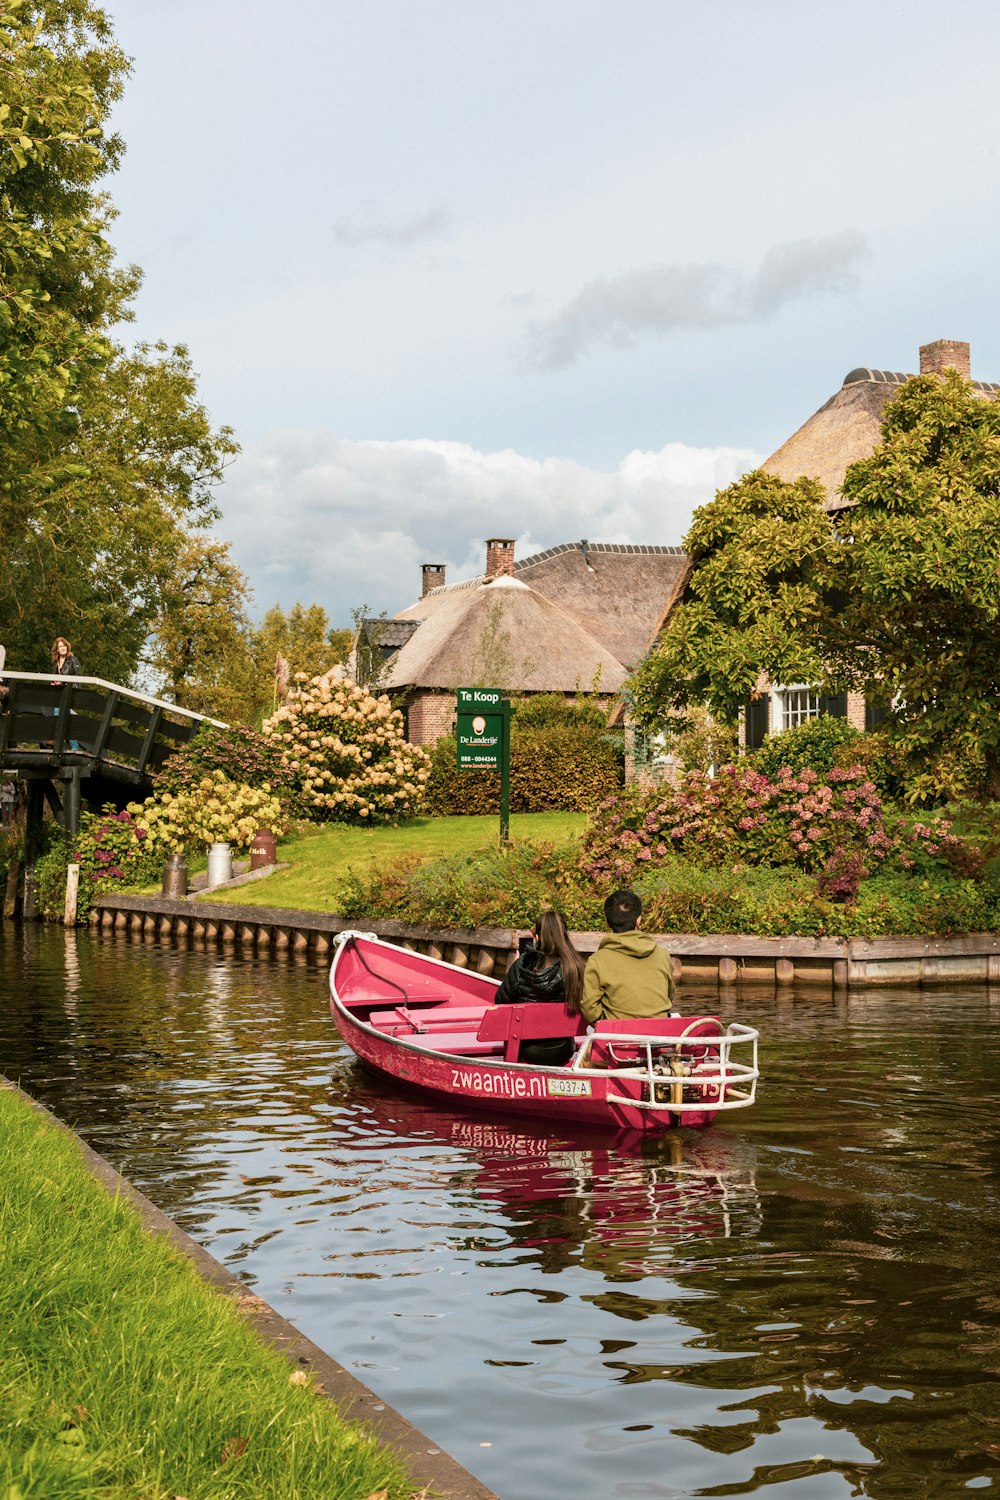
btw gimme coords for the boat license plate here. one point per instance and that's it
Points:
(564, 1088)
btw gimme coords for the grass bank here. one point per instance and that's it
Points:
(322, 859)
(123, 1375)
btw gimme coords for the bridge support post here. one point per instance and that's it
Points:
(71, 802)
(34, 812)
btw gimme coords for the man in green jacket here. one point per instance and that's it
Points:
(629, 975)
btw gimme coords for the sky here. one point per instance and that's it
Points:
(542, 269)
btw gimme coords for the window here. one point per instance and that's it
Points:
(795, 705)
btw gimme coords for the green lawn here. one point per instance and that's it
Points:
(321, 858)
(123, 1375)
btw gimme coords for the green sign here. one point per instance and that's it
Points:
(479, 741)
(480, 729)
(483, 735)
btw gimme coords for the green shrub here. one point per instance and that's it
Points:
(483, 888)
(243, 755)
(542, 710)
(490, 888)
(113, 852)
(815, 745)
(567, 765)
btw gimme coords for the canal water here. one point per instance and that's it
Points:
(802, 1302)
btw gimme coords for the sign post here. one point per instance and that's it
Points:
(483, 736)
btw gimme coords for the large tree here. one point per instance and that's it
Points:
(896, 595)
(107, 458)
(764, 559)
(106, 544)
(921, 616)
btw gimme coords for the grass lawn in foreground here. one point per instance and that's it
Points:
(122, 1375)
(321, 858)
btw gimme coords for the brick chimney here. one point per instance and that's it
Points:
(433, 577)
(499, 556)
(945, 354)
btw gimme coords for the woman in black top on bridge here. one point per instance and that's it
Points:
(549, 969)
(66, 665)
(65, 662)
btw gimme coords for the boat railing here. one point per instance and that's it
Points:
(687, 1075)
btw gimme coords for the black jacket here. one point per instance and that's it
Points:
(70, 667)
(529, 978)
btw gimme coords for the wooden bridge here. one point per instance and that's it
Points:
(75, 737)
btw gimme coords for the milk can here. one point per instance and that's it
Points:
(220, 865)
(175, 876)
(262, 849)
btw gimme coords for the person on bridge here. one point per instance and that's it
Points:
(629, 975)
(66, 664)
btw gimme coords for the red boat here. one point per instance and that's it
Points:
(437, 1028)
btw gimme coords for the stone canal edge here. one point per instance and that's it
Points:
(429, 1465)
(818, 963)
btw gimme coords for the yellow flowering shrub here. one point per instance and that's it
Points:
(214, 810)
(347, 750)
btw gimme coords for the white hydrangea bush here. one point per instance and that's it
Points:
(347, 749)
(216, 810)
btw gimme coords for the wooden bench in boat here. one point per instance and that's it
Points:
(402, 1018)
(502, 1028)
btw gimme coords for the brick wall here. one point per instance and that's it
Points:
(856, 711)
(429, 716)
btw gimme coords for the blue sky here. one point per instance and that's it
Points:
(543, 269)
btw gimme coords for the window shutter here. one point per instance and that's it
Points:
(875, 714)
(834, 704)
(756, 722)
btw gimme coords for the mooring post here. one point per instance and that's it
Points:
(72, 892)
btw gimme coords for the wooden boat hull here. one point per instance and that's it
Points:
(444, 1058)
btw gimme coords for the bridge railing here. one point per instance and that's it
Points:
(88, 722)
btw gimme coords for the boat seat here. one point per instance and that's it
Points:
(446, 1017)
(538, 1021)
(459, 1043)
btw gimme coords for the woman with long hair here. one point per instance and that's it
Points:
(63, 660)
(549, 969)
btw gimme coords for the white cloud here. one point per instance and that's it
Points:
(617, 311)
(430, 223)
(339, 523)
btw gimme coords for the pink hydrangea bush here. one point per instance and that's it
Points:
(833, 825)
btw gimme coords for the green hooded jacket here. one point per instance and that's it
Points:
(629, 975)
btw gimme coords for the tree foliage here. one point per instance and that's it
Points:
(764, 557)
(60, 73)
(202, 633)
(922, 576)
(105, 553)
(305, 641)
(107, 458)
(897, 596)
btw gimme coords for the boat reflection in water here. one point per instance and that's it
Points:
(622, 1205)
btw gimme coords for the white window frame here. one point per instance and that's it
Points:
(787, 713)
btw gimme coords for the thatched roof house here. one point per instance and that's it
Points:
(849, 426)
(572, 619)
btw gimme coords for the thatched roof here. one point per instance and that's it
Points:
(507, 631)
(847, 428)
(614, 590)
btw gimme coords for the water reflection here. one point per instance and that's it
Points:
(801, 1301)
